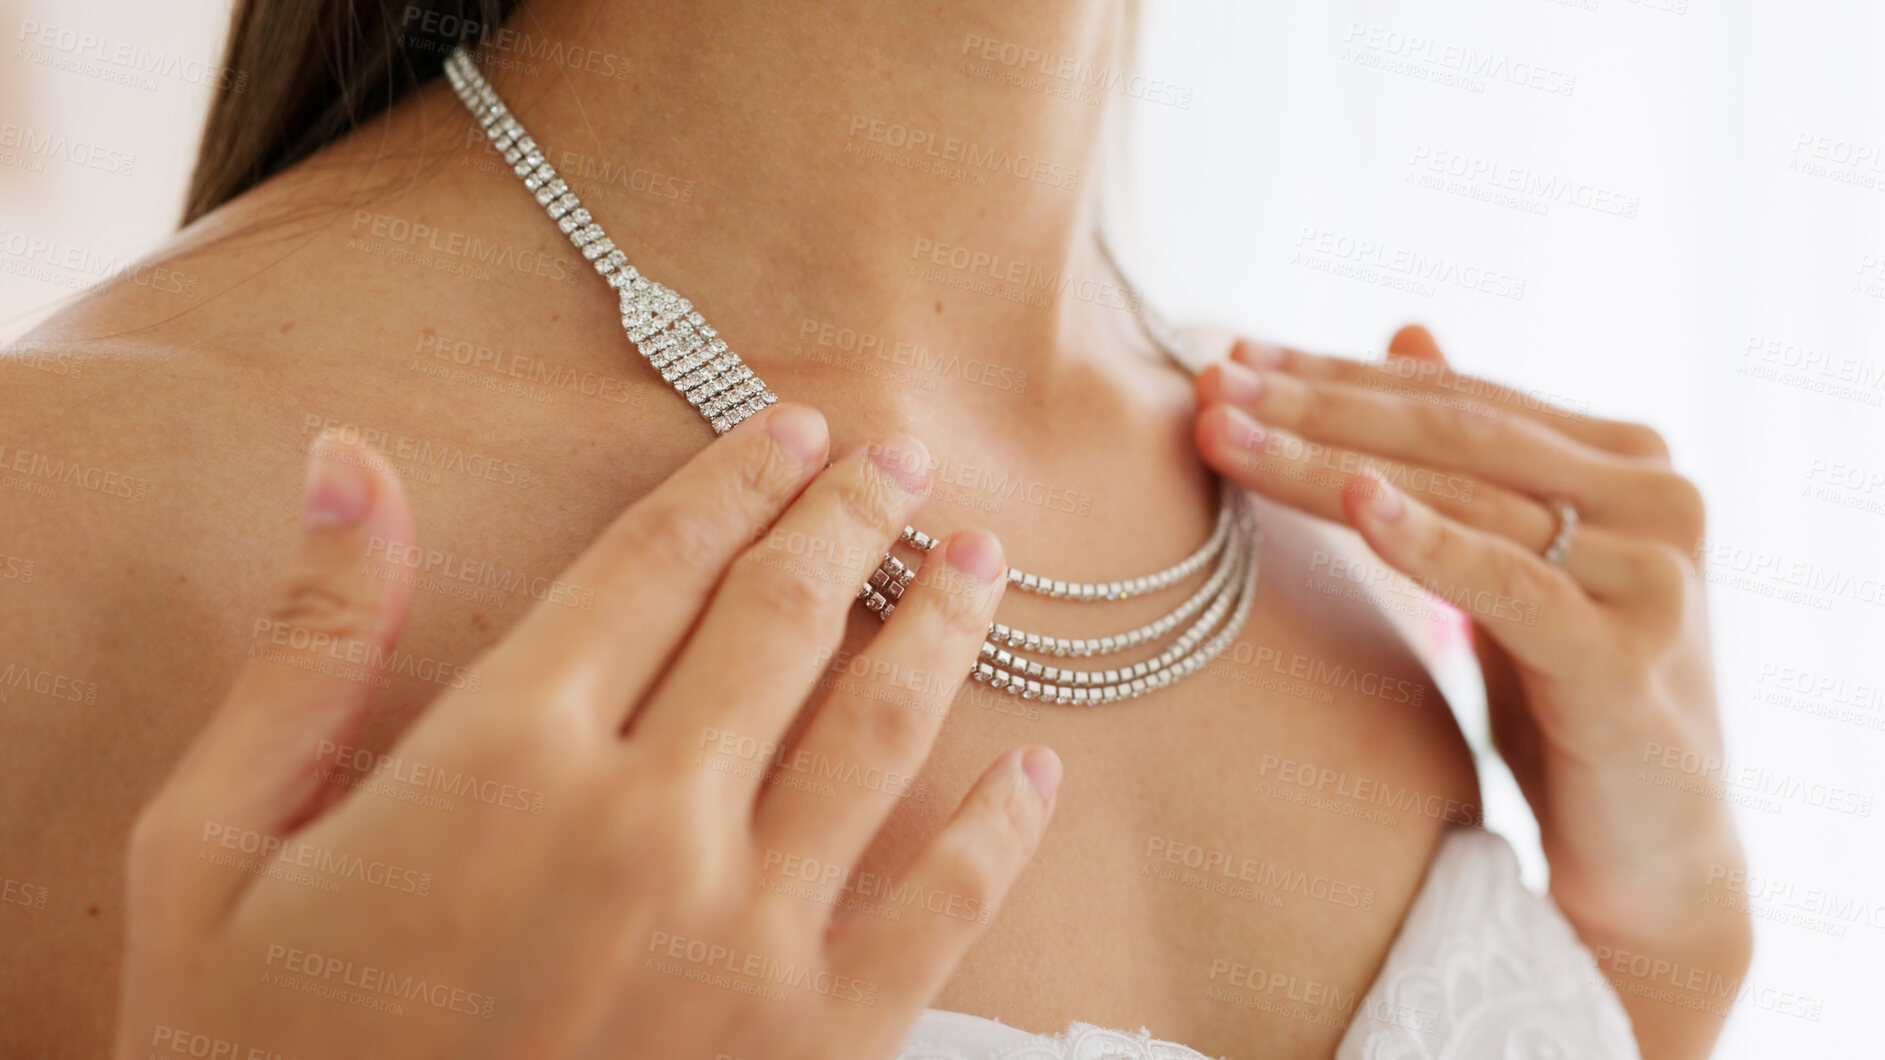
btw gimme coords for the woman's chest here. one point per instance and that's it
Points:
(1230, 858)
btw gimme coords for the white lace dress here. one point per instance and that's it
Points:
(1483, 969)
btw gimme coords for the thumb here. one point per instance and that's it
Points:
(1416, 342)
(263, 765)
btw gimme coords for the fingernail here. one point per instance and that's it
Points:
(905, 460)
(1245, 433)
(976, 554)
(799, 430)
(1241, 384)
(1044, 771)
(339, 489)
(1262, 354)
(1386, 502)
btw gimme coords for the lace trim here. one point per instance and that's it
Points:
(1483, 969)
(943, 1035)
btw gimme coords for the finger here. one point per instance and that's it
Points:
(1417, 342)
(965, 871)
(1433, 382)
(1311, 476)
(1536, 611)
(315, 660)
(1516, 452)
(875, 732)
(781, 610)
(1319, 481)
(654, 568)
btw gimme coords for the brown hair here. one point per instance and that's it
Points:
(316, 69)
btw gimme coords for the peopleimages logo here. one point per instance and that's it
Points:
(825, 342)
(60, 471)
(430, 30)
(67, 264)
(365, 985)
(749, 972)
(265, 852)
(1032, 280)
(78, 152)
(940, 147)
(1211, 861)
(1523, 188)
(360, 762)
(450, 250)
(71, 49)
(1449, 63)
(1077, 73)
(1402, 268)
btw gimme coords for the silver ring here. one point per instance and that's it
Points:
(1567, 529)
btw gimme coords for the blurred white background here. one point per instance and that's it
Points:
(1671, 211)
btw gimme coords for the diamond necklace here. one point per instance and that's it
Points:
(690, 355)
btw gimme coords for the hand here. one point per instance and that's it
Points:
(575, 852)
(1596, 668)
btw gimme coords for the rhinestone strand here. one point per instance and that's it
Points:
(1124, 590)
(692, 358)
(1109, 645)
(1020, 667)
(1172, 665)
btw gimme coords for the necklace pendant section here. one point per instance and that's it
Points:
(690, 355)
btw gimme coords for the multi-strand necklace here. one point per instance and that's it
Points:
(692, 357)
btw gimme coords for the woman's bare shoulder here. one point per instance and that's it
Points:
(129, 481)
(152, 444)
(107, 416)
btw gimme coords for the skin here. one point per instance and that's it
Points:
(322, 316)
(632, 856)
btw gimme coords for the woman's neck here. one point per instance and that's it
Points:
(911, 172)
